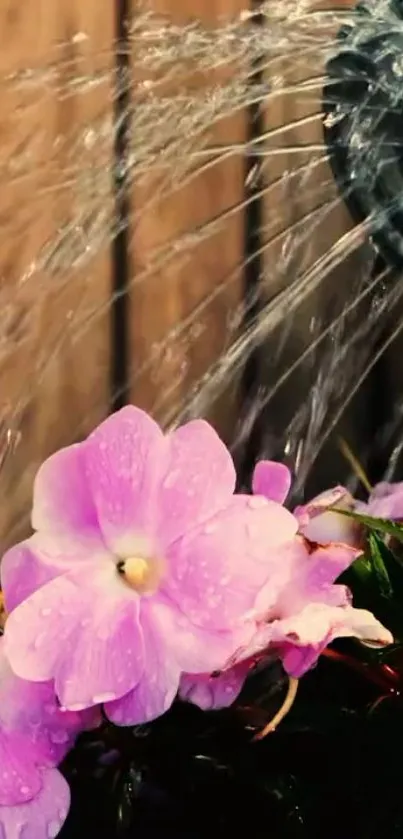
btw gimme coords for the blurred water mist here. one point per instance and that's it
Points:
(173, 235)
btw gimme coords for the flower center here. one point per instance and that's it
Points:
(140, 573)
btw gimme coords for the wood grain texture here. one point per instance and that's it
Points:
(183, 305)
(55, 86)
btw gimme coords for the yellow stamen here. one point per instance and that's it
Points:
(136, 571)
(355, 464)
(140, 573)
(285, 708)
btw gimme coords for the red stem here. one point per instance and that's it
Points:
(381, 675)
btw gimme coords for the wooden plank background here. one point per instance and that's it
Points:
(54, 377)
(205, 276)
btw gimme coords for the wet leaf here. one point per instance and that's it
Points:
(380, 559)
(385, 526)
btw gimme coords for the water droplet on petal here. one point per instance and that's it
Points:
(53, 828)
(99, 698)
(39, 640)
(170, 480)
(19, 828)
(79, 706)
(211, 527)
(257, 501)
(46, 612)
(59, 737)
(24, 790)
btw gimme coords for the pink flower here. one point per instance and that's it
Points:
(143, 565)
(298, 612)
(384, 502)
(317, 522)
(215, 690)
(35, 735)
(322, 525)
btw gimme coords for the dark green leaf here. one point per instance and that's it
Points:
(380, 557)
(385, 526)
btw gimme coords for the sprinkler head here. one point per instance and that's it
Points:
(363, 121)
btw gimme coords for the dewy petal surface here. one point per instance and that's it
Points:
(20, 779)
(199, 480)
(40, 559)
(271, 479)
(43, 816)
(31, 709)
(124, 458)
(213, 692)
(216, 570)
(84, 634)
(159, 682)
(62, 501)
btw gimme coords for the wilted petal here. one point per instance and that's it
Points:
(302, 638)
(211, 692)
(321, 525)
(216, 570)
(331, 527)
(199, 480)
(124, 459)
(271, 479)
(81, 633)
(43, 816)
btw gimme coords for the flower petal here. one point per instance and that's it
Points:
(214, 692)
(20, 780)
(43, 816)
(124, 457)
(271, 479)
(216, 571)
(386, 501)
(313, 579)
(199, 480)
(31, 710)
(303, 637)
(40, 559)
(22, 573)
(83, 634)
(62, 500)
(159, 682)
(331, 527)
(321, 525)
